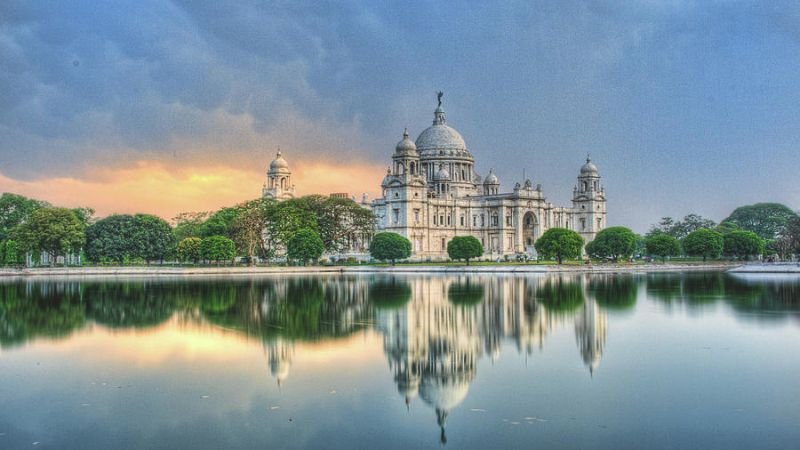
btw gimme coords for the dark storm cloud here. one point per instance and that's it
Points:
(672, 98)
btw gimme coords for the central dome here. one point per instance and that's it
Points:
(440, 137)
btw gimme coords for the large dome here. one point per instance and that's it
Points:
(440, 137)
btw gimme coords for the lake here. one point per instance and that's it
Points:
(673, 360)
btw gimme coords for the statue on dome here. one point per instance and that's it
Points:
(439, 96)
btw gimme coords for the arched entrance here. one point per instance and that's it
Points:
(530, 232)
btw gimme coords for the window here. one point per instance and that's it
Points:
(441, 220)
(599, 222)
(583, 224)
(495, 220)
(435, 220)
(475, 221)
(508, 221)
(416, 215)
(396, 215)
(448, 219)
(483, 220)
(462, 221)
(444, 244)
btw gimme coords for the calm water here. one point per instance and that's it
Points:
(610, 361)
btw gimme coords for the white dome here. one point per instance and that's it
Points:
(406, 145)
(442, 175)
(445, 394)
(440, 137)
(491, 178)
(589, 168)
(278, 163)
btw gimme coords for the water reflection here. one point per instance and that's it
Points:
(434, 329)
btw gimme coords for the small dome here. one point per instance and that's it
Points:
(442, 175)
(406, 145)
(589, 168)
(279, 163)
(491, 178)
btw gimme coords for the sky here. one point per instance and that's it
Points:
(164, 106)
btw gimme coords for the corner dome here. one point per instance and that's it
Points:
(278, 163)
(406, 145)
(589, 168)
(491, 178)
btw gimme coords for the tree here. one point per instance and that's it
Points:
(305, 245)
(220, 223)
(11, 255)
(248, 228)
(342, 223)
(742, 244)
(389, 247)
(791, 233)
(189, 224)
(662, 245)
(110, 239)
(704, 242)
(613, 242)
(217, 248)
(189, 249)
(681, 228)
(559, 243)
(765, 219)
(283, 220)
(464, 247)
(14, 210)
(122, 237)
(56, 231)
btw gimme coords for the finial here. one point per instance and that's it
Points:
(279, 151)
(588, 157)
(405, 132)
(439, 96)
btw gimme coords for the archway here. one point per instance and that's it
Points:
(530, 231)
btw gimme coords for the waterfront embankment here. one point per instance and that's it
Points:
(366, 269)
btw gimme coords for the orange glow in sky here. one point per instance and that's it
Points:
(152, 187)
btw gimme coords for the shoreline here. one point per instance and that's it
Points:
(400, 269)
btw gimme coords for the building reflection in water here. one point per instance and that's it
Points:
(433, 343)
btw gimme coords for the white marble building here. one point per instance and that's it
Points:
(432, 193)
(279, 180)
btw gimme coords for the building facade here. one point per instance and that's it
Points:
(279, 180)
(432, 192)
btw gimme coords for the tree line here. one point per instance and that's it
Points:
(300, 229)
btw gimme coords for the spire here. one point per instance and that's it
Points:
(438, 115)
(405, 133)
(588, 158)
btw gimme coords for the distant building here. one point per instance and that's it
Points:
(432, 193)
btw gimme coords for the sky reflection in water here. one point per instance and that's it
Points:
(701, 360)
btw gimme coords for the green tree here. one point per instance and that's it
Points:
(662, 245)
(189, 224)
(248, 228)
(342, 223)
(11, 254)
(220, 223)
(217, 249)
(681, 228)
(704, 242)
(189, 249)
(305, 245)
(283, 220)
(464, 247)
(122, 237)
(559, 243)
(742, 244)
(110, 239)
(56, 231)
(153, 237)
(613, 242)
(389, 247)
(765, 219)
(14, 210)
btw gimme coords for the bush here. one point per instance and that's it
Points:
(704, 243)
(217, 248)
(305, 245)
(614, 243)
(559, 243)
(662, 245)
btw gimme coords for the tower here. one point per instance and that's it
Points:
(589, 202)
(279, 180)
